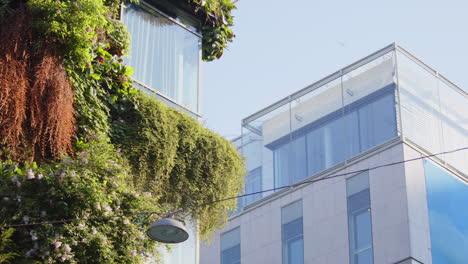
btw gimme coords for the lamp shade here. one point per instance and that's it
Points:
(167, 230)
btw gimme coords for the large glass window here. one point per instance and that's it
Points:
(164, 54)
(359, 220)
(230, 247)
(281, 159)
(447, 200)
(253, 183)
(376, 122)
(292, 233)
(356, 128)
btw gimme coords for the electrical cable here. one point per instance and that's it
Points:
(336, 176)
(87, 219)
(236, 197)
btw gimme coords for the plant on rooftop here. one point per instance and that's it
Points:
(78, 141)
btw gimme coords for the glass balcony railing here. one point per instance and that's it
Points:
(434, 112)
(375, 100)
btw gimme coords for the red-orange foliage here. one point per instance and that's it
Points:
(36, 99)
(15, 37)
(52, 121)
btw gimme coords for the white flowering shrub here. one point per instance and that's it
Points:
(93, 184)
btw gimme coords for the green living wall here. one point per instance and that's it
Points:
(77, 140)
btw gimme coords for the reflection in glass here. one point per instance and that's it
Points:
(230, 247)
(298, 159)
(315, 150)
(332, 139)
(231, 255)
(281, 163)
(365, 257)
(376, 122)
(292, 233)
(362, 221)
(253, 184)
(447, 200)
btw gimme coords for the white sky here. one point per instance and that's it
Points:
(283, 46)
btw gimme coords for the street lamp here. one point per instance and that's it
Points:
(167, 230)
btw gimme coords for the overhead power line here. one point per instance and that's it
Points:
(238, 196)
(337, 175)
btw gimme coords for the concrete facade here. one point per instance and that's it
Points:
(325, 218)
(400, 223)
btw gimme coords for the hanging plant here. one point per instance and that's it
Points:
(78, 140)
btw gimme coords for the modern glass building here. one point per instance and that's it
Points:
(386, 108)
(166, 57)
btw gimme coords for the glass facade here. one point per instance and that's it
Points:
(230, 247)
(388, 95)
(334, 120)
(292, 233)
(247, 146)
(253, 183)
(447, 201)
(340, 135)
(165, 55)
(359, 220)
(429, 102)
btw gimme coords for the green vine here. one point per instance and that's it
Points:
(5, 242)
(72, 24)
(97, 88)
(132, 152)
(173, 155)
(217, 32)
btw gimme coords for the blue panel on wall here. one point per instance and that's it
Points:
(447, 198)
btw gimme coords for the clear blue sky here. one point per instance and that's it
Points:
(283, 46)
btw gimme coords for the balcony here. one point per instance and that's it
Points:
(388, 95)
(165, 53)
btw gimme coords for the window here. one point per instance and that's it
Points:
(447, 199)
(292, 233)
(359, 220)
(298, 159)
(376, 122)
(332, 139)
(165, 55)
(230, 247)
(281, 165)
(253, 183)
